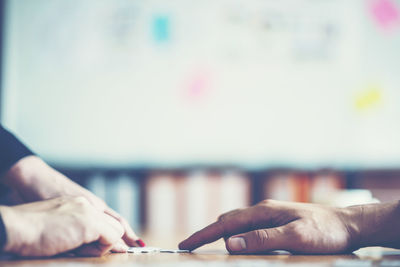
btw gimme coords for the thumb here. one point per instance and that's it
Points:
(261, 240)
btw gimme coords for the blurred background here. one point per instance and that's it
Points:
(176, 111)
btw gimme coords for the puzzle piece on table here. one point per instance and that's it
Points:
(154, 250)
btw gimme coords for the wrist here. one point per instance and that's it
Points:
(10, 224)
(18, 230)
(352, 218)
(375, 225)
(30, 177)
(22, 172)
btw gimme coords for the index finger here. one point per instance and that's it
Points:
(232, 223)
(129, 236)
(207, 235)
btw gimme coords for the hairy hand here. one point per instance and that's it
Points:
(275, 225)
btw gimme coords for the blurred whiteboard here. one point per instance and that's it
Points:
(253, 83)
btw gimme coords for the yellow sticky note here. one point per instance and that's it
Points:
(369, 98)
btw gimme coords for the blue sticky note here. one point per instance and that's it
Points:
(161, 28)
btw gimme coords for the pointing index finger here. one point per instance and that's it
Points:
(206, 235)
(231, 223)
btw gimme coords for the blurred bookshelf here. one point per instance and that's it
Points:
(177, 202)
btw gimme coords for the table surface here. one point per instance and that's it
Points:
(363, 257)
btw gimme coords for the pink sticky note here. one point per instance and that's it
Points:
(197, 85)
(385, 13)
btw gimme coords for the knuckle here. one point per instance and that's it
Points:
(266, 202)
(221, 224)
(64, 198)
(81, 201)
(222, 218)
(227, 215)
(60, 201)
(261, 238)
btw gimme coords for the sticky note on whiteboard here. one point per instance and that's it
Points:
(386, 13)
(198, 85)
(161, 28)
(369, 98)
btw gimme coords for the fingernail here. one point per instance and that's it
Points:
(237, 244)
(140, 242)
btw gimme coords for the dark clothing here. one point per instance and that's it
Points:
(11, 151)
(3, 236)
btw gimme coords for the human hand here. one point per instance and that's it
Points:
(34, 180)
(50, 227)
(301, 228)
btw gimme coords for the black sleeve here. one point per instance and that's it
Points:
(11, 150)
(3, 233)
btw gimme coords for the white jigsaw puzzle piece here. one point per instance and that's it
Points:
(143, 250)
(174, 251)
(154, 250)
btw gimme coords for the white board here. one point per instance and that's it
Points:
(170, 83)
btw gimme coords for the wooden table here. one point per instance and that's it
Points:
(364, 257)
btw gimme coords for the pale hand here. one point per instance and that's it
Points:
(34, 180)
(50, 227)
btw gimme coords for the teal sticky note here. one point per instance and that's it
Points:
(161, 28)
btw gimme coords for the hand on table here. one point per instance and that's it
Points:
(301, 228)
(50, 227)
(34, 180)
